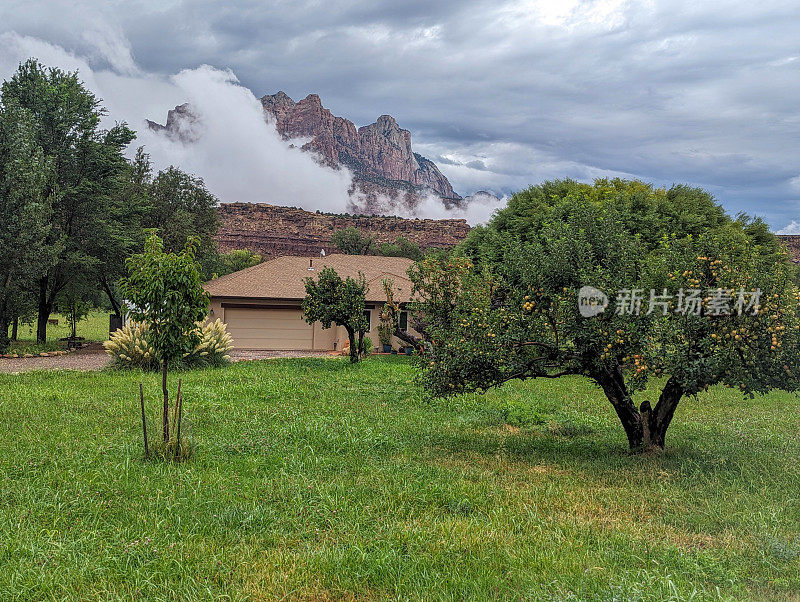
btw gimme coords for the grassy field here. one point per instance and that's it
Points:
(315, 479)
(93, 328)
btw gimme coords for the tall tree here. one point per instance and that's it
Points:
(181, 207)
(127, 207)
(25, 210)
(87, 162)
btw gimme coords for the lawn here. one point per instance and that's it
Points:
(315, 479)
(93, 328)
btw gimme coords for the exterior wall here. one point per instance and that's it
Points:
(324, 339)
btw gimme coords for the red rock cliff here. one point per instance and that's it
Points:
(273, 231)
(379, 153)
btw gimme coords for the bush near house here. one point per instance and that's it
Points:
(130, 348)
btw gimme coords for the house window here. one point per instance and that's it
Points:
(368, 316)
(403, 320)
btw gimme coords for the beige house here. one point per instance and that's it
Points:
(261, 305)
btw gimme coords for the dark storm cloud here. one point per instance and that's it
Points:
(504, 94)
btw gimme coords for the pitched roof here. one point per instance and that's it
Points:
(282, 277)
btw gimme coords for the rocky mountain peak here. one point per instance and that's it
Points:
(379, 154)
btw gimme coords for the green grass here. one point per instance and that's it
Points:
(93, 328)
(315, 479)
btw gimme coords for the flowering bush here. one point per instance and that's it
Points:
(130, 346)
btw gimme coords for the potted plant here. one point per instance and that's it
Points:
(409, 350)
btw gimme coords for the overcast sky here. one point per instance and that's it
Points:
(500, 94)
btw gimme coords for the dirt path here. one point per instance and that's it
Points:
(92, 358)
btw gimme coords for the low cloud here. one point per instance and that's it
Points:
(239, 154)
(791, 228)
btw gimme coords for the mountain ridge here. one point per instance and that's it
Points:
(273, 230)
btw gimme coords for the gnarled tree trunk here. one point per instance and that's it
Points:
(656, 421)
(613, 384)
(645, 427)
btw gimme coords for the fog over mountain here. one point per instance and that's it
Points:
(499, 95)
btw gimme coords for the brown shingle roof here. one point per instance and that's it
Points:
(282, 277)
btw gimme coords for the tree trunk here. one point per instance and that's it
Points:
(166, 400)
(407, 337)
(613, 384)
(351, 335)
(646, 427)
(115, 306)
(44, 311)
(15, 328)
(656, 421)
(4, 340)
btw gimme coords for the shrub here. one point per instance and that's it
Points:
(130, 347)
(214, 346)
(366, 346)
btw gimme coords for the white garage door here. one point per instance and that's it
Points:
(269, 329)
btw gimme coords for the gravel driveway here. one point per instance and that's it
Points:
(93, 357)
(243, 355)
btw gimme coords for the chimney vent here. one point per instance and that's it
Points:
(310, 265)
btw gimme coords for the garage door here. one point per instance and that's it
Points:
(269, 329)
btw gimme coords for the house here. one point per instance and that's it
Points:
(261, 305)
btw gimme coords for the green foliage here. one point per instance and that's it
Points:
(351, 241)
(25, 212)
(366, 346)
(512, 310)
(233, 261)
(181, 207)
(164, 291)
(385, 331)
(648, 211)
(332, 300)
(72, 304)
(401, 247)
(87, 164)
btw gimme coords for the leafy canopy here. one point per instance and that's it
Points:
(86, 162)
(511, 309)
(164, 291)
(351, 241)
(333, 300)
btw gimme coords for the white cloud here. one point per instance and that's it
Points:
(791, 228)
